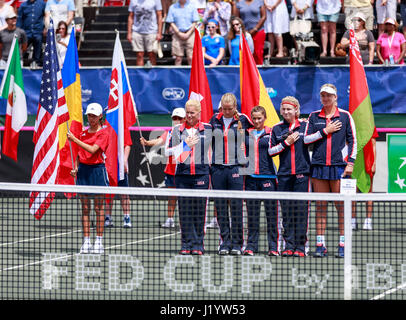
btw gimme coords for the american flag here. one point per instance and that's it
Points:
(52, 111)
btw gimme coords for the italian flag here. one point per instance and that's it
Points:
(12, 89)
(360, 108)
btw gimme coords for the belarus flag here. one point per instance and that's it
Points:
(12, 89)
(120, 116)
(360, 108)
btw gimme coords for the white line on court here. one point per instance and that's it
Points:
(75, 254)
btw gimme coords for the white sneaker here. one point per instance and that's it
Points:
(169, 223)
(127, 222)
(213, 224)
(86, 247)
(367, 224)
(98, 247)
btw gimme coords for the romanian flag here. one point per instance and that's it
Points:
(360, 108)
(73, 95)
(199, 86)
(120, 116)
(12, 89)
(252, 88)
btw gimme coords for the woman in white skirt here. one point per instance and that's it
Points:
(385, 9)
(276, 23)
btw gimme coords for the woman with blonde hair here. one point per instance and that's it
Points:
(229, 132)
(331, 130)
(293, 175)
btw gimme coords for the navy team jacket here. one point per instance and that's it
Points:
(256, 149)
(227, 141)
(337, 148)
(294, 158)
(197, 160)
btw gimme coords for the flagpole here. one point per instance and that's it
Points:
(139, 130)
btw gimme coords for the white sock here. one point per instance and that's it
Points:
(342, 241)
(86, 239)
(354, 220)
(321, 240)
(126, 215)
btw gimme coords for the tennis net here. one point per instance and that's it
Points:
(42, 259)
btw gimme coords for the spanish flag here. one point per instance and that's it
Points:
(73, 95)
(252, 88)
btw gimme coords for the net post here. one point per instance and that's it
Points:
(347, 247)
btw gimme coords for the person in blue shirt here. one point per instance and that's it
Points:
(260, 176)
(236, 27)
(61, 10)
(213, 44)
(182, 17)
(31, 20)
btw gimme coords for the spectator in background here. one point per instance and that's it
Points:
(62, 41)
(253, 14)
(144, 28)
(234, 40)
(403, 13)
(391, 45)
(220, 11)
(31, 20)
(5, 10)
(366, 40)
(303, 9)
(7, 36)
(351, 7)
(213, 45)
(182, 17)
(327, 14)
(276, 23)
(61, 10)
(385, 9)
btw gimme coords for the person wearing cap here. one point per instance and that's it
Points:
(391, 45)
(331, 131)
(213, 44)
(7, 36)
(190, 145)
(293, 174)
(385, 9)
(366, 40)
(90, 170)
(5, 10)
(352, 7)
(178, 118)
(144, 28)
(221, 12)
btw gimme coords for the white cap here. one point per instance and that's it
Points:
(94, 108)
(179, 112)
(360, 15)
(391, 21)
(11, 14)
(328, 89)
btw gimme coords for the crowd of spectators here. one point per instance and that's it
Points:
(265, 23)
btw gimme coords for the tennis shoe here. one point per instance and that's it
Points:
(127, 222)
(321, 251)
(169, 223)
(86, 247)
(223, 252)
(248, 253)
(108, 222)
(340, 252)
(184, 252)
(273, 253)
(287, 253)
(367, 224)
(197, 252)
(235, 252)
(98, 247)
(298, 253)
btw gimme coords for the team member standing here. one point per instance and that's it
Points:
(229, 131)
(331, 130)
(178, 117)
(190, 145)
(261, 176)
(293, 174)
(90, 170)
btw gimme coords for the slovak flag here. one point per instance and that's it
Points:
(120, 116)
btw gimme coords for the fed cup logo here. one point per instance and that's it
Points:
(173, 93)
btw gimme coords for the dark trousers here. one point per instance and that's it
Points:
(192, 212)
(37, 45)
(254, 210)
(295, 212)
(230, 224)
